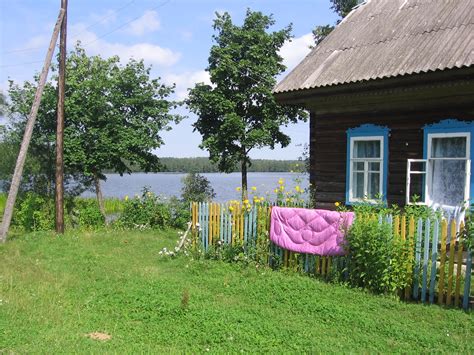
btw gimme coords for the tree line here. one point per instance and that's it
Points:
(204, 165)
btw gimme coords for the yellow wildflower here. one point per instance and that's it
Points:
(281, 181)
(262, 199)
(126, 197)
(254, 188)
(282, 187)
(297, 188)
(337, 204)
(238, 188)
(276, 191)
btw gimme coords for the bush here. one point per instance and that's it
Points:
(196, 188)
(376, 260)
(144, 212)
(86, 214)
(35, 213)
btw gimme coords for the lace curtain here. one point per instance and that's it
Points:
(448, 176)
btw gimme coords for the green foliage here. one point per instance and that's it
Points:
(119, 286)
(86, 214)
(149, 211)
(340, 7)
(196, 188)
(145, 212)
(3, 201)
(321, 32)
(204, 165)
(343, 7)
(114, 113)
(377, 261)
(238, 112)
(34, 213)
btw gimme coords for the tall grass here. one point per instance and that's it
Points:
(3, 201)
(112, 205)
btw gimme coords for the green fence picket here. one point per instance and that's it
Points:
(426, 253)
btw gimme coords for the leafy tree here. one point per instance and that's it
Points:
(238, 111)
(3, 102)
(196, 188)
(342, 8)
(114, 113)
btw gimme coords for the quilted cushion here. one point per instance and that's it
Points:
(310, 231)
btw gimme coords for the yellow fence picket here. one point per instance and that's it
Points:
(403, 227)
(396, 226)
(444, 233)
(452, 247)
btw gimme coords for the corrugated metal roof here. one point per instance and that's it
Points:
(387, 38)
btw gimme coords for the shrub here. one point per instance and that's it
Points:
(377, 260)
(145, 211)
(196, 188)
(35, 213)
(86, 214)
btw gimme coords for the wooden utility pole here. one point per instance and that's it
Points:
(20, 163)
(60, 124)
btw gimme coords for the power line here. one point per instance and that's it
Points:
(100, 37)
(102, 19)
(126, 23)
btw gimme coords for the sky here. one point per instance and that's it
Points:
(173, 36)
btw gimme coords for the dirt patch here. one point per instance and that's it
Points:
(99, 336)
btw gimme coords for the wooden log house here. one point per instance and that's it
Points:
(391, 98)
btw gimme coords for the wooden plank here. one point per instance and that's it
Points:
(467, 283)
(396, 226)
(426, 250)
(411, 252)
(323, 266)
(452, 245)
(211, 223)
(444, 233)
(403, 227)
(457, 292)
(328, 267)
(434, 259)
(317, 269)
(419, 236)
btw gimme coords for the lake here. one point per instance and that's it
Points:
(169, 184)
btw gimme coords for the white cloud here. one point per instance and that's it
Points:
(150, 53)
(147, 23)
(110, 16)
(186, 80)
(295, 50)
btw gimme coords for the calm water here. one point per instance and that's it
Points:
(169, 184)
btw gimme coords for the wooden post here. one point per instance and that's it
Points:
(20, 163)
(60, 124)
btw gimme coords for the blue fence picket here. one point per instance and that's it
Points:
(467, 282)
(418, 238)
(434, 258)
(221, 224)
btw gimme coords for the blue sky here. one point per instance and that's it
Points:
(174, 36)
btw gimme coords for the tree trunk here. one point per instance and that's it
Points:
(20, 163)
(244, 181)
(98, 192)
(60, 125)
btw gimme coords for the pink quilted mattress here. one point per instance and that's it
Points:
(309, 231)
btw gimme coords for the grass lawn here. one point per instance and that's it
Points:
(56, 290)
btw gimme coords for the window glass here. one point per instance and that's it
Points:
(358, 185)
(448, 147)
(448, 182)
(373, 185)
(366, 149)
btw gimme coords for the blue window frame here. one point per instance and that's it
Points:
(448, 150)
(367, 164)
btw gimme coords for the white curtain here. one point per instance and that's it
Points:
(448, 176)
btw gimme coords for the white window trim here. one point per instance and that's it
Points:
(351, 159)
(429, 175)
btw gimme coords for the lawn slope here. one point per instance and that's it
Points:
(56, 290)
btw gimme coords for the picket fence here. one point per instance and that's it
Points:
(440, 271)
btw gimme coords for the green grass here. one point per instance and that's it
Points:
(55, 290)
(3, 201)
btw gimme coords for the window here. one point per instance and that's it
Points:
(445, 169)
(366, 163)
